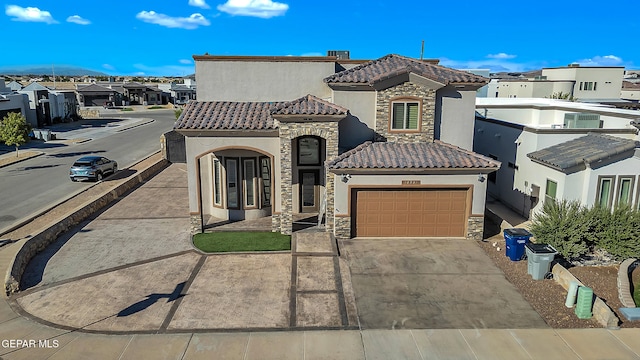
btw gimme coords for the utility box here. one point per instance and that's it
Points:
(584, 303)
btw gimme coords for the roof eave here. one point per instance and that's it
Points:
(422, 171)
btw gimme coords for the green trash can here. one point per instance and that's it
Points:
(539, 258)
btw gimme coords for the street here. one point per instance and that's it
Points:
(30, 186)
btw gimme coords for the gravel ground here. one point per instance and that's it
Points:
(547, 297)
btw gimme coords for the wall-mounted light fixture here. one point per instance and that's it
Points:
(481, 178)
(346, 177)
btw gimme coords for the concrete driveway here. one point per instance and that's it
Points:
(132, 268)
(432, 284)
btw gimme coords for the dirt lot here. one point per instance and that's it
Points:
(547, 297)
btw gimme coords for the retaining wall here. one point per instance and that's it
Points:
(39, 241)
(601, 311)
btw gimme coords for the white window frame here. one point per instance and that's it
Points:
(249, 183)
(217, 182)
(546, 190)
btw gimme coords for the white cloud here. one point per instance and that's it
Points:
(76, 19)
(199, 3)
(501, 56)
(185, 61)
(494, 65)
(108, 67)
(189, 23)
(259, 8)
(30, 14)
(607, 60)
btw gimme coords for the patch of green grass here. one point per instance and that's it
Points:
(127, 109)
(636, 294)
(242, 241)
(155, 107)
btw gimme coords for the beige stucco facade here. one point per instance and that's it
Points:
(446, 113)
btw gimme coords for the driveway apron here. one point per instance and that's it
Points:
(432, 284)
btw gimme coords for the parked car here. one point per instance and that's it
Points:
(92, 168)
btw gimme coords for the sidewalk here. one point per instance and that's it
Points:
(43, 341)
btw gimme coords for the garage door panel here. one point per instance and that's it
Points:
(411, 213)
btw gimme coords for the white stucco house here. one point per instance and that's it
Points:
(584, 83)
(11, 101)
(559, 149)
(382, 147)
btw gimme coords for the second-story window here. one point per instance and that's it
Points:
(405, 115)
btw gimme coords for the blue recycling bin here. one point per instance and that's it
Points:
(516, 239)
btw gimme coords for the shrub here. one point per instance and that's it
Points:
(617, 232)
(562, 225)
(177, 112)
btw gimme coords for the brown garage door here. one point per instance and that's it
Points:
(411, 213)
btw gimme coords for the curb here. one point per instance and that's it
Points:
(39, 153)
(148, 121)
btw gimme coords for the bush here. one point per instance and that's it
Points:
(562, 225)
(618, 232)
(177, 112)
(575, 230)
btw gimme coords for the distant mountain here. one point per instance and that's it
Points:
(47, 70)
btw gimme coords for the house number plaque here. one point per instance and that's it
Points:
(410, 182)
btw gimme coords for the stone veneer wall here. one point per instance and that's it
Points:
(195, 223)
(383, 108)
(342, 227)
(327, 130)
(475, 228)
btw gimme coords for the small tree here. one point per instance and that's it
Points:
(562, 96)
(177, 112)
(14, 130)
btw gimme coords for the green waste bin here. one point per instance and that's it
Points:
(539, 258)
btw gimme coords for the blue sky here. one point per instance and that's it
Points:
(158, 38)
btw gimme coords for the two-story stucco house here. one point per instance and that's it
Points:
(382, 147)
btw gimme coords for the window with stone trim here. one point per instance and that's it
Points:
(405, 114)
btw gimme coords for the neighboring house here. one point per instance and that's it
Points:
(11, 101)
(49, 105)
(588, 84)
(141, 94)
(180, 94)
(558, 149)
(382, 147)
(630, 91)
(96, 95)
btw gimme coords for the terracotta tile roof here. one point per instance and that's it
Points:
(387, 155)
(587, 149)
(392, 65)
(309, 105)
(228, 115)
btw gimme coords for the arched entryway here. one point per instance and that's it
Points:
(235, 184)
